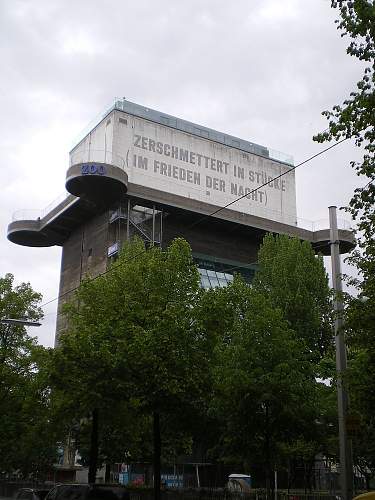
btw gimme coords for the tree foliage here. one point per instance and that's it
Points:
(16, 302)
(26, 441)
(266, 396)
(355, 119)
(134, 340)
(360, 329)
(144, 340)
(295, 281)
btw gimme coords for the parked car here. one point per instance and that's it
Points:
(240, 483)
(31, 494)
(87, 492)
(370, 495)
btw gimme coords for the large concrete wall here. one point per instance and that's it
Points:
(172, 161)
(212, 239)
(96, 144)
(183, 162)
(84, 254)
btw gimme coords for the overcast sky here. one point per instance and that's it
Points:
(262, 70)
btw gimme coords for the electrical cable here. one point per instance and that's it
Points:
(266, 183)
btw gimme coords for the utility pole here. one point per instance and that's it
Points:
(346, 464)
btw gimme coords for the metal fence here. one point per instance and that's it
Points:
(9, 489)
(222, 494)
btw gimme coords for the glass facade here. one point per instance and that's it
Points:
(214, 273)
(212, 279)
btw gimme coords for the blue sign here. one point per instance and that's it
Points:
(123, 477)
(93, 169)
(172, 480)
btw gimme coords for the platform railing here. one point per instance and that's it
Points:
(96, 156)
(26, 214)
(293, 220)
(288, 219)
(280, 156)
(35, 214)
(341, 224)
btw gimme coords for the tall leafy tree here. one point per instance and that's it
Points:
(26, 441)
(355, 119)
(16, 302)
(134, 336)
(360, 332)
(265, 390)
(295, 281)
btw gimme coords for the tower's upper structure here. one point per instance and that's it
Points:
(175, 165)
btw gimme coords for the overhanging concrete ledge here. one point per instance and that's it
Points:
(28, 233)
(321, 241)
(167, 201)
(55, 227)
(59, 222)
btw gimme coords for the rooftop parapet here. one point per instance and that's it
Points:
(188, 127)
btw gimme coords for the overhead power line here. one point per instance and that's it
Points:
(212, 214)
(268, 182)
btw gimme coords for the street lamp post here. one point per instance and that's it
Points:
(346, 465)
(22, 321)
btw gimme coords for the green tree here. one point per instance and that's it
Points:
(16, 302)
(26, 441)
(265, 392)
(360, 331)
(361, 376)
(355, 119)
(295, 281)
(134, 337)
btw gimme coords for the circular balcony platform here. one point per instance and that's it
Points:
(321, 242)
(51, 226)
(28, 233)
(100, 183)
